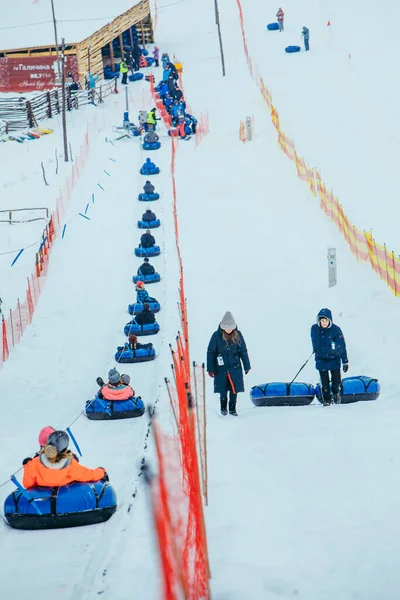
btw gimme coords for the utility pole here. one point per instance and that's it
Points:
(217, 21)
(64, 104)
(55, 36)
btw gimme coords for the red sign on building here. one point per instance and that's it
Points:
(28, 74)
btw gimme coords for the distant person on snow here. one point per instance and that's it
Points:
(56, 465)
(146, 268)
(330, 350)
(149, 215)
(306, 34)
(225, 354)
(147, 240)
(280, 16)
(142, 295)
(156, 56)
(124, 71)
(146, 316)
(148, 188)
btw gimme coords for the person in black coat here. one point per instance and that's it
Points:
(171, 86)
(149, 215)
(173, 70)
(148, 188)
(146, 268)
(147, 240)
(145, 317)
(225, 354)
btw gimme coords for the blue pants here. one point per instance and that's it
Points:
(306, 44)
(280, 23)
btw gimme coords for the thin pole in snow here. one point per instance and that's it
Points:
(55, 36)
(217, 21)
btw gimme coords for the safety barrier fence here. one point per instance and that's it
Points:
(361, 243)
(18, 319)
(176, 490)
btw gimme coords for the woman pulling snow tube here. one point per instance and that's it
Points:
(149, 224)
(137, 307)
(152, 251)
(70, 505)
(282, 394)
(355, 389)
(58, 491)
(152, 278)
(148, 197)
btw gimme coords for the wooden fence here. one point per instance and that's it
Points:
(19, 112)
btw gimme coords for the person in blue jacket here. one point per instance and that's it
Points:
(147, 240)
(146, 268)
(306, 35)
(166, 73)
(330, 352)
(142, 295)
(225, 354)
(163, 90)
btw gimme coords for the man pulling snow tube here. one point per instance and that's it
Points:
(282, 394)
(355, 389)
(152, 278)
(100, 409)
(137, 329)
(149, 224)
(291, 49)
(152, 251)
(273, 26)
(151, 145)
(137, 307)
(70, 505)
(148, 197)
(124, 355)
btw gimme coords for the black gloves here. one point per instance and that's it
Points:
(346, 367)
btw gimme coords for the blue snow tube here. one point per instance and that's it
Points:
(153, 278)
(153, 171)
(151, 146)
(148, 197)
(70, 505)
(150, 61)
(273, 26)
(137, 307)
(100, 409)
(145, 52)
(282, 394)
(147, 329)
(136, 76)
(153, 251)
(355, 389)
(134, 356)
(291, 49)
(149, 224)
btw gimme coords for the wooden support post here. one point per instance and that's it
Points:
(131, 37)
(112, 56)
(143, 35)
(49, 111)
(121, 43)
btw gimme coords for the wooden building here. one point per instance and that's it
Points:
(35, 67)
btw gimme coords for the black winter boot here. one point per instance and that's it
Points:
(337, 399)
(232, 407)
(224, 403)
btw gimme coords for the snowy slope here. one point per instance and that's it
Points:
(303, 501)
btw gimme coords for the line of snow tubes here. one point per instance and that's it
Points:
(137, 307)
(138, 330)
(70, 505)
(282, 394)
(148, 197)
(149, 224)
(100, 409)
(134, 356)
(153, 251)
(153, 278)
(355, 389)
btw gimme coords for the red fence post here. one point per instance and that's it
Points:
(5, 342)
(30, 301)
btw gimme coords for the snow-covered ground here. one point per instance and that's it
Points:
(303, 501)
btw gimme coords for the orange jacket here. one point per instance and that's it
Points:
(35, 473)
(122, 392)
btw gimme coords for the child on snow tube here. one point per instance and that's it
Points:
(117, 388)
(149, 193)
(149, 219)
(149, 168)
(151, 141)
(146, 273)
(134, 351)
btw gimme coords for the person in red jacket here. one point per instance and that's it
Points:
(56, 466)
(280, 16)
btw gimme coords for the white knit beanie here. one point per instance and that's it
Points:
(228, 322)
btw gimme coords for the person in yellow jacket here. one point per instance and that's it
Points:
(152, 119)
(124, 70)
